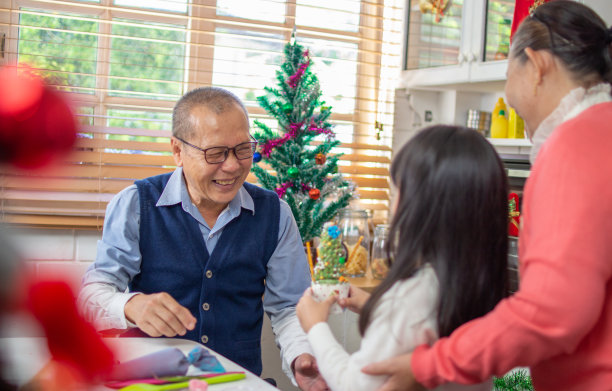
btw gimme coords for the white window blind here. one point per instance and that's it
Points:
(126, 62)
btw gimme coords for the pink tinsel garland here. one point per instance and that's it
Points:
(283, 189)
(267, 148)
(294, 129)
(295, 78)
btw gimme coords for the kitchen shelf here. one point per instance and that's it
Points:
(510, 142)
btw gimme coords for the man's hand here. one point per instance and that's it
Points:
(311, 312)
(356, 299)
(400, 372)
(307, 374)
(159, 315)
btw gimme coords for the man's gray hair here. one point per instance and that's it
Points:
(215, 99)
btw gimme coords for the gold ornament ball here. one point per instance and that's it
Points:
(320, 158)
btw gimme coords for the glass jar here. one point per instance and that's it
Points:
(379, 264)
(355, 229)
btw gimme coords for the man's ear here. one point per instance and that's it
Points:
(177, 151)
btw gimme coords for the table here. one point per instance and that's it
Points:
(24, 357)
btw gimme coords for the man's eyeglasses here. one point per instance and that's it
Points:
(216, 155)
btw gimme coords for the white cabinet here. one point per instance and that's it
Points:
(469, 65)
(444, 94)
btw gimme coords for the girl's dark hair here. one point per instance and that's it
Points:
(452, 213)
(574, 33)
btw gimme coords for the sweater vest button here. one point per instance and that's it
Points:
(208, 273)
(204, 339)
(205, 306)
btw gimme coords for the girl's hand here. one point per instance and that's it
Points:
(356, 299)
(310, 312)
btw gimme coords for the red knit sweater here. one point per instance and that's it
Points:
(559, 323)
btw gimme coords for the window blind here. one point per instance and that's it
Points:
(124, 64)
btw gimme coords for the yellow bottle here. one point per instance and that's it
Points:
(499, 123)
(516, 126)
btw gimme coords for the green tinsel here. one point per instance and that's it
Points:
(292, 162)
(514, 381)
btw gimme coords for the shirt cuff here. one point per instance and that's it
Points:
(116, 310)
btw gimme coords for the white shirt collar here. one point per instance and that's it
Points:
(574, 103)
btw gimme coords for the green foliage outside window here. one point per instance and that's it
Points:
(65, 49)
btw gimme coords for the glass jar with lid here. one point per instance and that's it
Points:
(379, 264)
(355, 229)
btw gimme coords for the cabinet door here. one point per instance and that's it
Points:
(491, 43)
(435, 43)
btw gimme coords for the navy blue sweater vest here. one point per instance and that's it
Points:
(223, 290)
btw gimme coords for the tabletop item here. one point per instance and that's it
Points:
(166, 379)
(354, 224)
(166, 362)
(328, 279)
(379, 264)
(197, 385)
(177, 386)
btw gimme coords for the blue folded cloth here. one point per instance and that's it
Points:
(202, 359)
(166, 362)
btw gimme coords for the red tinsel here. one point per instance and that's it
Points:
(283, 189)
(305, 187)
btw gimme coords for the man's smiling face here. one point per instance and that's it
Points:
(214, 185)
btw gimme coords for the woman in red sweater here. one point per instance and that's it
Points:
(559, 323)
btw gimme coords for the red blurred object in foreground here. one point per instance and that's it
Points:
(72, 341)
(36, 121)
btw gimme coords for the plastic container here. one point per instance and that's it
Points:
(516, 126)
(499, 123)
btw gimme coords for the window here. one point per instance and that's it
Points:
(126, 62)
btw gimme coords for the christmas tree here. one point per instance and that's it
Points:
(332, 256)
(305, 174)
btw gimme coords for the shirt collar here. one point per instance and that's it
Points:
(176, 192)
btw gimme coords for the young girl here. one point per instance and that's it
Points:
(449, 257)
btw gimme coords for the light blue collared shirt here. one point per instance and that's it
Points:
(118, 262)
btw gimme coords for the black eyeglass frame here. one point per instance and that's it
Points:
(226, 149)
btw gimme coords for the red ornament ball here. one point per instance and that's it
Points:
(314, 194)
(36, 121)
(320, 158)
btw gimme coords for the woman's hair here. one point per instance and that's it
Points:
(574, 33)
(452, 213)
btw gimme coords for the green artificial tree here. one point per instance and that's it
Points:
(332, 256)
(301, 169)
(514, 381)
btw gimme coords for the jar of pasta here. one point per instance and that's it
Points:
(354, 225)
(379, 264)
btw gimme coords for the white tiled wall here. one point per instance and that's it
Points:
(57, 253)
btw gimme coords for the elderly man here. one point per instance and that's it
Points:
(198, 248)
